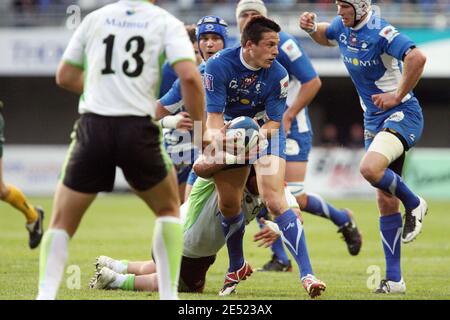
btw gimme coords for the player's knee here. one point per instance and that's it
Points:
(274, 203)
(229, 208)
(370, 172)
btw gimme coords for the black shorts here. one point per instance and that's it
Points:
(193, 273)
(100, 144)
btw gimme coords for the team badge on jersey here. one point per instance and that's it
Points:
(291, 49)
(248, 81)
(208, 81)
(389, 33)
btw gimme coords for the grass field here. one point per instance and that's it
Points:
(120, 226)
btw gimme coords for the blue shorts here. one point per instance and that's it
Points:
(406, 120)
(277, 145)
(183, 172)
(298, 146)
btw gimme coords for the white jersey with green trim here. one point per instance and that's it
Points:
(121, 48)
(203, 235)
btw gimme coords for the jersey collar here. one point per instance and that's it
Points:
(245, 63)
(364, 22)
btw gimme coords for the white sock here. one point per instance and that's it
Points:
(118, 281)
(167, 251)
(52, 260)
(119, 266)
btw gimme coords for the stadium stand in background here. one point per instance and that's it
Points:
(420, 13)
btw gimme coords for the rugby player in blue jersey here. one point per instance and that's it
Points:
(372, 51)
(304, 83)
(248, 81)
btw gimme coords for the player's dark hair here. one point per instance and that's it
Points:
(255, 27)
(191, 33)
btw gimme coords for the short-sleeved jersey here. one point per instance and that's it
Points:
(203, 235)
(121, 48)
(372, 53)
(168, 77)
(300, 69)
(237, 89)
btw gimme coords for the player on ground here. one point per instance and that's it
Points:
(211, 37)
(248, 81)
(203, 238)
(304, 83)
(372, 51)
(112, 61)
(12, 195)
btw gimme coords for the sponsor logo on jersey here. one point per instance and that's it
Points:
(291, 49)
(360, 63)
(245, 101)
(389, 33)
(412, 137)
(208, 81)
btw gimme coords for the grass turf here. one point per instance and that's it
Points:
(121, 226)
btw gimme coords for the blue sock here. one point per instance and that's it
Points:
(317, 206)
(279, 252)
(277, 247)
(294, 239)
(392, 183)
(233, 230)
(391, 229)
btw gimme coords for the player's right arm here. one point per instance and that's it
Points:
(317, 31)
(70, 72)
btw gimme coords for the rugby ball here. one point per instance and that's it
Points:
(246, 130)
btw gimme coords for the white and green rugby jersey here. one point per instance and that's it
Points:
(121, 48)
(203, 235)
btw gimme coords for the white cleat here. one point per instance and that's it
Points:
(104, 261)
(389, 287)
(413, 221)
(103, 279)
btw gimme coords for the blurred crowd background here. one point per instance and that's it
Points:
(53, 12)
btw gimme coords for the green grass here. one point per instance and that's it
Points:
(120, 226)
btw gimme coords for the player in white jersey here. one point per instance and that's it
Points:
(372, 51)
(113, 61)
(202, 240)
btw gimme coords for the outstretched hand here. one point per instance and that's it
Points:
(268, 235)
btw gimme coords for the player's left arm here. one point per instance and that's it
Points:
(70, 77)
(401, 47)
(414, 64)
